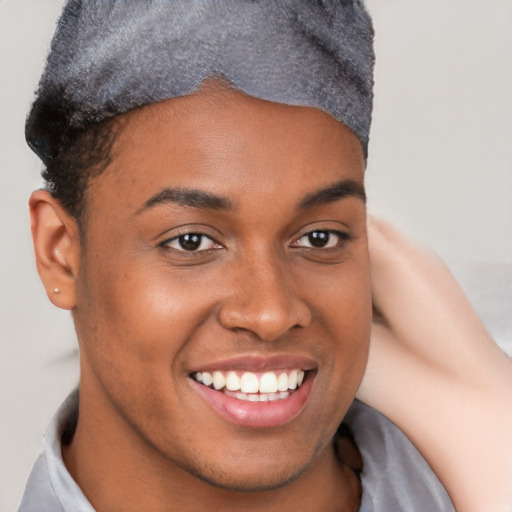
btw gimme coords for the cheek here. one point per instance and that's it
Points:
(347, 317)
(342, 298)
(135, 327)
(136, 319)
(354, 315)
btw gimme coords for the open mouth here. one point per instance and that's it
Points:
(256, 392)
(253, 386)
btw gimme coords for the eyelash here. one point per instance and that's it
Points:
(202, 237)
(343, 238)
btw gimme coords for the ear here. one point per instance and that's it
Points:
(56, 239)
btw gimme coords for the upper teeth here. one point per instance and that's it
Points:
(249, 382)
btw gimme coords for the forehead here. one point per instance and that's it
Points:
(225, 142)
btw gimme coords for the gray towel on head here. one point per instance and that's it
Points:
(110, 56)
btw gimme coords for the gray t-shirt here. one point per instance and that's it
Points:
(395, 476)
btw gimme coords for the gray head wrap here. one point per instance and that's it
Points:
(110, 56)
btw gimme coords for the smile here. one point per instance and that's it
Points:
(256, 393)
(253, 387)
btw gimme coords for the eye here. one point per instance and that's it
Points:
(191, 242)
(321, 239)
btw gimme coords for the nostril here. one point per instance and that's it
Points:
(267, 325)
(263, 302)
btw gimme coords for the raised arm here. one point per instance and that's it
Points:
(435, 372)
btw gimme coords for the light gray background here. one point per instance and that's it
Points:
(440, 167)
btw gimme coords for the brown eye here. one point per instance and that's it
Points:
(318, 239)
(191, 242)
(321, 239)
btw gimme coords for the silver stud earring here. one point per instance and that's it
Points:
(56, 290)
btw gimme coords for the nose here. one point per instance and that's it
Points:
(264, 301)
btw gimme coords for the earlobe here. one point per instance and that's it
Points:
(57, 248)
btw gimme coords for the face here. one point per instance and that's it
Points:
(223, 297)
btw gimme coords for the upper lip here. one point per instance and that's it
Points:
(259, 363)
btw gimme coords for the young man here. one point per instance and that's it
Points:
(206, 224)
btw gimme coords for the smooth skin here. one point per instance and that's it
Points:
(257, 181)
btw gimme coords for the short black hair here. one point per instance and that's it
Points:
(78, 157)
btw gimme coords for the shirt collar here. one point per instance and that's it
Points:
(65, 488)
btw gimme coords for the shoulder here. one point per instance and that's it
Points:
(395, 475)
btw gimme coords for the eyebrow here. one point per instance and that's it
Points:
(334, 192)
(187, 197)
(199, 199)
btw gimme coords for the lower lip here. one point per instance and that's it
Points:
(257, 414)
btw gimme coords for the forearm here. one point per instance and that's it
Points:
(436, 373)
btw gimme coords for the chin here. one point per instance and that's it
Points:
(249, 473)
(251, 481)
